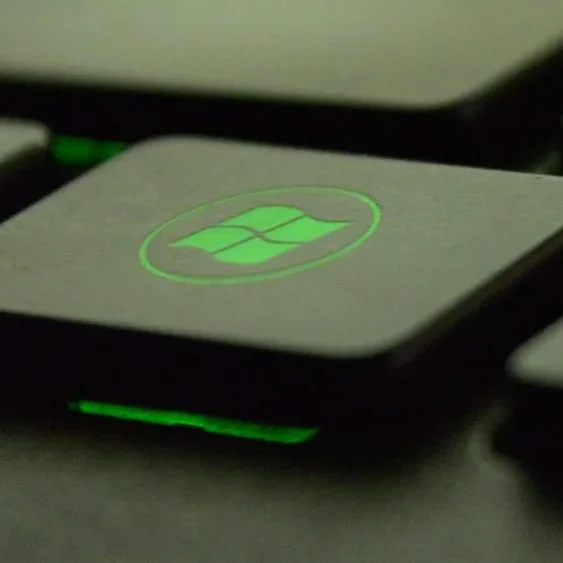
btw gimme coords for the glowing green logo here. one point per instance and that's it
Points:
(260, 235)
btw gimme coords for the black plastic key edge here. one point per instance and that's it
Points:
(340, 398)
(55, 361)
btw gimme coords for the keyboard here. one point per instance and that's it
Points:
(281, 283)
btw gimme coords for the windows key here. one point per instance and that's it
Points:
(241, 280)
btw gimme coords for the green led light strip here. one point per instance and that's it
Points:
(82, 151)
(225, 426)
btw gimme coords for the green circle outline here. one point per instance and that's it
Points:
(372, 204)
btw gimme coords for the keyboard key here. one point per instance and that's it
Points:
(243, 280)
(534, 427)
(19, 143)
(478, 82)
(540, 362)
(24, 176)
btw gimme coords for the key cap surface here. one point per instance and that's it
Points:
(540, 361)
(281, 251)
(477, 82)
(395, 53)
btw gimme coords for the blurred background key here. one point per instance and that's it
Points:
(533, 429)
(22, 146)
(471, 82)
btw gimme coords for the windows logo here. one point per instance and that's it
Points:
(259, 235)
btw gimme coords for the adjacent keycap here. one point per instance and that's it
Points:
(24, 171)
(540, 361)
(238, 278)
(19, 142)
(413, 77)
(533, 429)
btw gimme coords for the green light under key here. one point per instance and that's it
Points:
(83, 151)
(215, 425)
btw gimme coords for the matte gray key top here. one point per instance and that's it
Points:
(239, 277)
(540, 361)
(20, 142)
(405, 53)
(413, 77)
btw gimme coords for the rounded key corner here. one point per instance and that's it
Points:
(456, 105)
(446, 103)
(166, 141)
(523, 365)
(459, 101)
(516, 364)
(534, 361)
(518, 357)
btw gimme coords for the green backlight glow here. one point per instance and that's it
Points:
(215, 425)
(82, 151)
